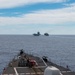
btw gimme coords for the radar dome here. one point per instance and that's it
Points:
(52, 71)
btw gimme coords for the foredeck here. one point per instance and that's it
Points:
(35, 70)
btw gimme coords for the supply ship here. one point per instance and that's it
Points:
(27, 64)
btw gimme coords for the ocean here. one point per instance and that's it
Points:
(58, 48)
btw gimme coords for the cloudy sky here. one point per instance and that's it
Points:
(29, 16)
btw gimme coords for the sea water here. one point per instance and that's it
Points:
(58, 48)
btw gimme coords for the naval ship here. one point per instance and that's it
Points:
(27, 64)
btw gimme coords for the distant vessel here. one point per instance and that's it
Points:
(46, 34)
(37, 34)
(27, 64)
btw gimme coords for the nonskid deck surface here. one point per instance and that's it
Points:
(35, 70)
(25, 71)
(31, 71)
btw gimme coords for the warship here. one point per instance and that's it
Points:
(46, 34)
(28, 64)
(37, 34)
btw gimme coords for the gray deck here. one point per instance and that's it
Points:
(36, 70)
